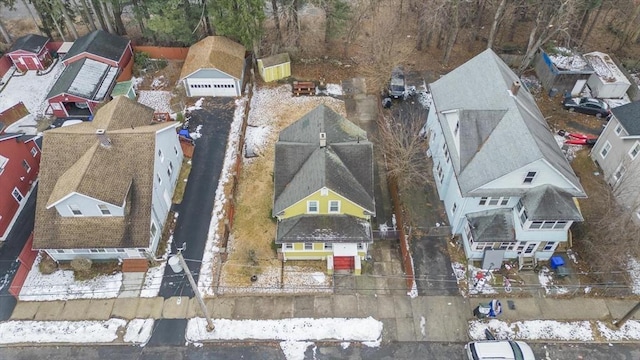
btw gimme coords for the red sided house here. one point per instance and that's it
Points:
(92, 67)
(30, 53)
(19, 167)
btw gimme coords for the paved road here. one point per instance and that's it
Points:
(192, 225)
(9, 253)
(272, 351)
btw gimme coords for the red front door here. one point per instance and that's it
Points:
(343, 262)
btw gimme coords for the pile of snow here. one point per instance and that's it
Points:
(565, 59)
(61, 285)
(137, 331)
(197, 105)
(160, 101)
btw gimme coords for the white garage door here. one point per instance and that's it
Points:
(211, 87)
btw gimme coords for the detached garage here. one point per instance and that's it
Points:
(30, 53)
(214, 67)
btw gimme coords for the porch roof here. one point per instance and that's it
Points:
(492, 225)
(323, 228)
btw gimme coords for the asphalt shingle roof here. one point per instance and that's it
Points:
(32, 43)
(492, 225)
(74, 161)
(344, 165)
(548, 202)
(328, 228)
(499, 132)
(85, 78)
(629, 116)
(215, 52)
(100, 43)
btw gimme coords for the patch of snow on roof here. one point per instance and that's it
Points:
(605, 68)
(61, 285)
(565, 59)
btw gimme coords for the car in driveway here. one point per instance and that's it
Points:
(588, 106)
(397, 83)
(499, 349)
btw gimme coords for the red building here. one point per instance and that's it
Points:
(30, 52)
(19, 166)
(92, 66)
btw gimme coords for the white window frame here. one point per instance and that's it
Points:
(550, 246)
(159, 179)
(153, 230)
(528, 178)
(454, 208)
(328, 246)
(619, 173)
(75, 208)
(605, 149)
(308, 246)
(317, 206)
(26, 166)
(618, 129)
(440, 172)
(287, 246)
(324, 192)
(170, 169)
(635, 150)
(102, 208)
(3, 163)
(34, 151)
(17, 195)
(160, 155)
(337, 205)
(175, 149)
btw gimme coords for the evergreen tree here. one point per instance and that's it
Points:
(172, 22)
(240, 20)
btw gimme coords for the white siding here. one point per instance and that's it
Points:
(87, 205)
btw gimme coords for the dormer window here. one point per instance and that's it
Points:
(160, 155)
(312, 207)
(455, 131)
(528, 179)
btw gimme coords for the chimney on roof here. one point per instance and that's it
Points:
(323, 139)
(515, 87)
(103, 138)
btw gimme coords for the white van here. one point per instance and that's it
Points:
(499, 350)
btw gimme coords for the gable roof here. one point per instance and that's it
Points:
(215, 52)
(547, 202)
(86, 78)
(491, 118)
(100, 43)
(344, 165)
(31, 43)
(274, 60)
(629, 116)
(73, 161)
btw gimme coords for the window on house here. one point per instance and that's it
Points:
(324, 192)
(446, 152)
(605, 149)
(536, 225)
(308, 246)
(483, 201)
(3, 163)
(504, 201)
(26, 166)
(34, 151)
(560, 225)
(75, 210)
(549, 246)
(104, 209)
(334, 206)
(160, 155)
(523, 216)
(312, 207)
(159, 179)
(504, 246)
(440, 172)
(17, 195)
(494, 201)
(175, 149)
(288, 246)
(619, 172)
(455, 131)
(328, 246)
(618, 129)
(120, 250)
(528, 179)
(453, 208)
(360, 246)
(170, 169)
(469, 234)
(153, 230)
(634, 150)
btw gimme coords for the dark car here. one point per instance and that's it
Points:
(588, 106)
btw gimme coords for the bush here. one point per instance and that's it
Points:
(47, 265)
(81, 264)
(140, 62)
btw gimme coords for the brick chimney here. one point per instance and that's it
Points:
(515, 87)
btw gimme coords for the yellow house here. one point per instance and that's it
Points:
(275, 67)
(323, 191)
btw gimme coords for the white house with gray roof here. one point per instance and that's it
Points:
(616, 153)
(507, 188)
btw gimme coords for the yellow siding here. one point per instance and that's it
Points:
(275, 72)
(261, 69)
(346, 207)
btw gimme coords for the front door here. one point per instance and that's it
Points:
(343, 262)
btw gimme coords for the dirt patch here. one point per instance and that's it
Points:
(163, 79)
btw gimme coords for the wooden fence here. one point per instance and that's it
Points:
(407, 262)
(160, 52)
(26, 258)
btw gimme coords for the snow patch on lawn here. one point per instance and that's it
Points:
(139, 331)
(160, 101)
(16, 332)
(532, 330)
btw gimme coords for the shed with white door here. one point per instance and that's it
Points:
(608, 81)
(214, 67)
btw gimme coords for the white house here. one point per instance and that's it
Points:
(616, 153)
(106, 186)
(214, 67)
(507, 188)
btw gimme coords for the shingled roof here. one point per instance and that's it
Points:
(344, 165)
(31, 43)
(100, 43)
(629, 116)
(73, 161)
(215, 52)
(332, 228)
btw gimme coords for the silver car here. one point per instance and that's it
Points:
(499, 349)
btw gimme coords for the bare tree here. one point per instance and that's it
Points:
(497, 17)
(454, 28)
(404, 148)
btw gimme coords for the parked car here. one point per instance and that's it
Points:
(397, 83)
(588, 106)
(499, 349)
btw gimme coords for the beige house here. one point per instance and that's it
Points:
(106, 186)
(214, 66)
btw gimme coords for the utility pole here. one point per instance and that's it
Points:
(627, 316)
(177, 268)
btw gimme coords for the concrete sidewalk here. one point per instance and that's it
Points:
(424, 318)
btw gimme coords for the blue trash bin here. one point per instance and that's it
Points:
(556, 261)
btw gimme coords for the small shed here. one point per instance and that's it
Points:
(608, 81)
(30, 52)
(124, 88)
(564, 73)
(275, 67)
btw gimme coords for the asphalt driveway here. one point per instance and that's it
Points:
(192, 225)
(9, 252)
